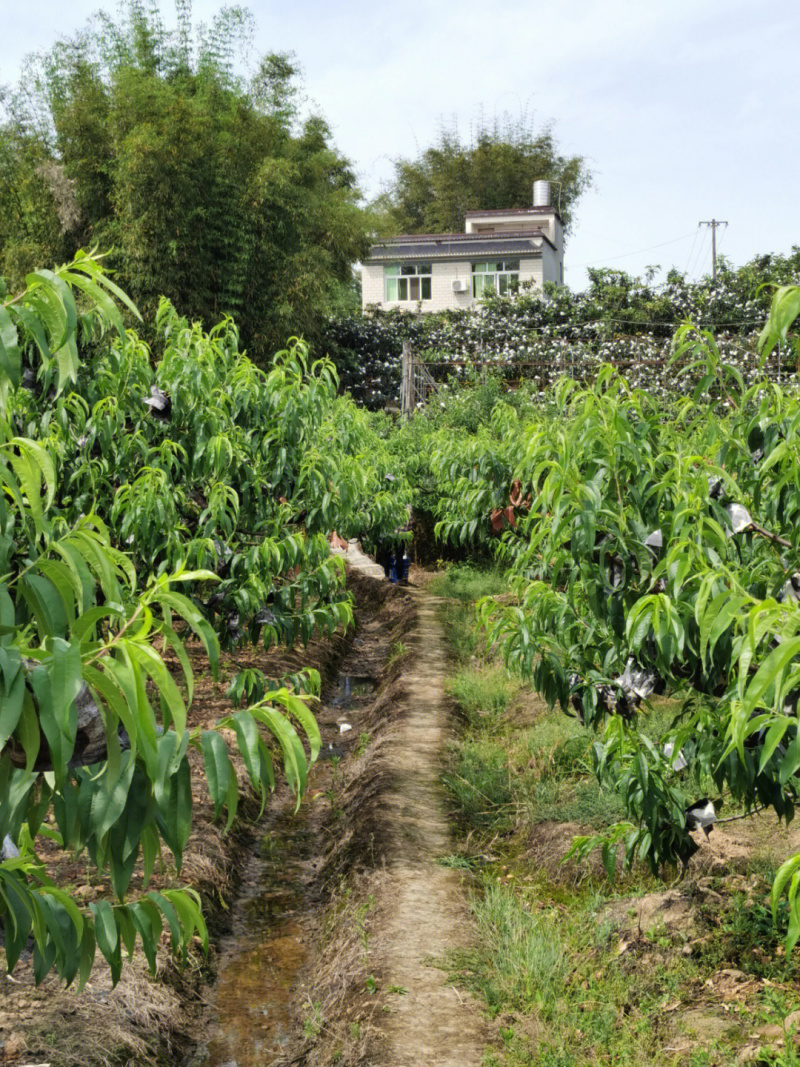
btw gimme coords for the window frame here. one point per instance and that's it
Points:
(408, 283)
(494, 277)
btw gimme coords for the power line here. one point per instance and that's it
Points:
(691, 251)
(624, 255)
(700, 255)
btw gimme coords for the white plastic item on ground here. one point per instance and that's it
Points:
(360, 560)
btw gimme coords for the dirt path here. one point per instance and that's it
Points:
(423, 913)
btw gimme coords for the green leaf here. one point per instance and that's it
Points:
(768, 673)
(220, 774)
(775, 735)
(18, 920)
(107, 936)
(169, 913)
(12, 696)
(146, 918)
(250, 748)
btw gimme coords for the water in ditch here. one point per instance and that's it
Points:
(262, 960)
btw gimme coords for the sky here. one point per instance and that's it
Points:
(686, 111)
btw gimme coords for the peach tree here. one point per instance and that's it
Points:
(659, 551)
(146, 504)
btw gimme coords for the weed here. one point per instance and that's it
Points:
(482, 695)
(400, 990)
(371, 984)
(526, 963)
(457, 862)
(269, 846)
(314, 1023)
(785, 1057)
(479, 783)
(363, 743)
(557, 747)
(754, 941)
(585, 803)
(459, 626)
(464, 581)
(396, 650)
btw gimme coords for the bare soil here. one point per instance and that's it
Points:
(422, 914)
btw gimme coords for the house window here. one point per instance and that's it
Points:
(408, 281)
(495, 277)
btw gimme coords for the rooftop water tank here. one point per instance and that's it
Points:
(541, 194)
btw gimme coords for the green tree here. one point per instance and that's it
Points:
(143, 502)
(496, 170)
(210, 189)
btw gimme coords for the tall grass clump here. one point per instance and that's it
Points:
(480, 785)
(484, 695)
(469, 582)
(520, 962)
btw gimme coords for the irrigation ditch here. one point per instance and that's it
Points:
(321, 920)
(342, 905)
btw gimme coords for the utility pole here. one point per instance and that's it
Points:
(713, 224)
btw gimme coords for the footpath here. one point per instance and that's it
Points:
(422, 913)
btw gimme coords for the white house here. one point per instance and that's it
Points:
(498, 251)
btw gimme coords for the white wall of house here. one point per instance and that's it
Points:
(372, 286)
(530, 270)
(544, 219)
(444, 273)
(551, 265)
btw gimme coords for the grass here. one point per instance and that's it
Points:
(480, 785)
(483, 695)
(584, 803)
(526, 963)
(555, 981)
(396, 650)
(463, 584)
(467, 582)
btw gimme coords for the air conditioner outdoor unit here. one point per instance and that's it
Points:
(460, 286)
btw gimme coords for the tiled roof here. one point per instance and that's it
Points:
(457, 245)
